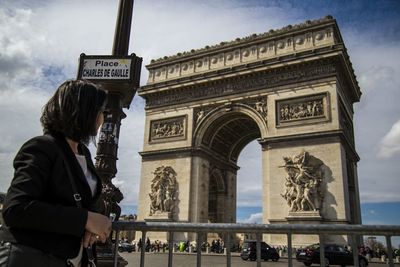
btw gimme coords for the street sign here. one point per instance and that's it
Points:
(118, 74)
(102, 68)
(110, 69)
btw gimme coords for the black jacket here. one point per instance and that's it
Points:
(39, 209)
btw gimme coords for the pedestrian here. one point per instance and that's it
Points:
(139, 244)
(49, 210)
(148, 245)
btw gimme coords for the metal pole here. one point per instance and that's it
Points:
(143, 249)
(389, 250)
(123, 28)
(116, 248)
(228, 249)
(107, 148)
(354, 248)
(322, 250)
(170, 248)
(258, 250)
(289, 249)
(199, 240)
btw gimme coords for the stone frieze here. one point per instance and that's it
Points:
(313, 108)
(168, 129)
(240, 84)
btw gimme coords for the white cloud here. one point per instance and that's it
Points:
(253, 218)
(378, 71)
(376, 194)
(373, 212)
(390, 143)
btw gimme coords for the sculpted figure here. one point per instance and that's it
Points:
(307, 202)
(303, 184)
(261, 107)
(163, 193)
(301, 110)
(200, 115)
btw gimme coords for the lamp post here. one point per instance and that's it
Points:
(121, 91)
(119, 75)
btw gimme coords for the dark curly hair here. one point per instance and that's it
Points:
(73, 110)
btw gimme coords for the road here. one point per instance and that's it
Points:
(211, 260)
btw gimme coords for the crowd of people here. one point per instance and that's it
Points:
(216, 246)
(369, 253)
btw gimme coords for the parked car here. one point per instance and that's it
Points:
(334, 255)
(125, 246)
(249, 251)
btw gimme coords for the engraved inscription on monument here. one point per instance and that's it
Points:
(170, 129)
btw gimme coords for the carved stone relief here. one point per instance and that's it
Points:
(259, 104)
(300, 109)
(164, 191)
(201, 112)
(171, 128)
(303, 183)
(200, 115)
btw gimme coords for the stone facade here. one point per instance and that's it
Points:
(291, 89)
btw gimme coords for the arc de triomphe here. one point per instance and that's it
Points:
(292, 90)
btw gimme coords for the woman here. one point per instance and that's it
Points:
(40, 210)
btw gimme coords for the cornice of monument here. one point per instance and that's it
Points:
(267, 78)
(244, 40)
(308, 41)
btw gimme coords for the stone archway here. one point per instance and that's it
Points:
(222, 133)
(293, 90)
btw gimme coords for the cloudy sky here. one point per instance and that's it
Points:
(40, 42)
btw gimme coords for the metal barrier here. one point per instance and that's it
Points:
(287, 229)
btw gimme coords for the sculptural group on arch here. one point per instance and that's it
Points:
(303, 183)
(163, 192)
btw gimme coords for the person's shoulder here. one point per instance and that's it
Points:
(41, 140)
(40, 143)
(38, 148)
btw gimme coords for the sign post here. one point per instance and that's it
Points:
(119, 75)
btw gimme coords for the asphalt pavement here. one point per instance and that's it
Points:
(211, 260)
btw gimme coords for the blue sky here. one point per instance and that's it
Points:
(41, 41)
